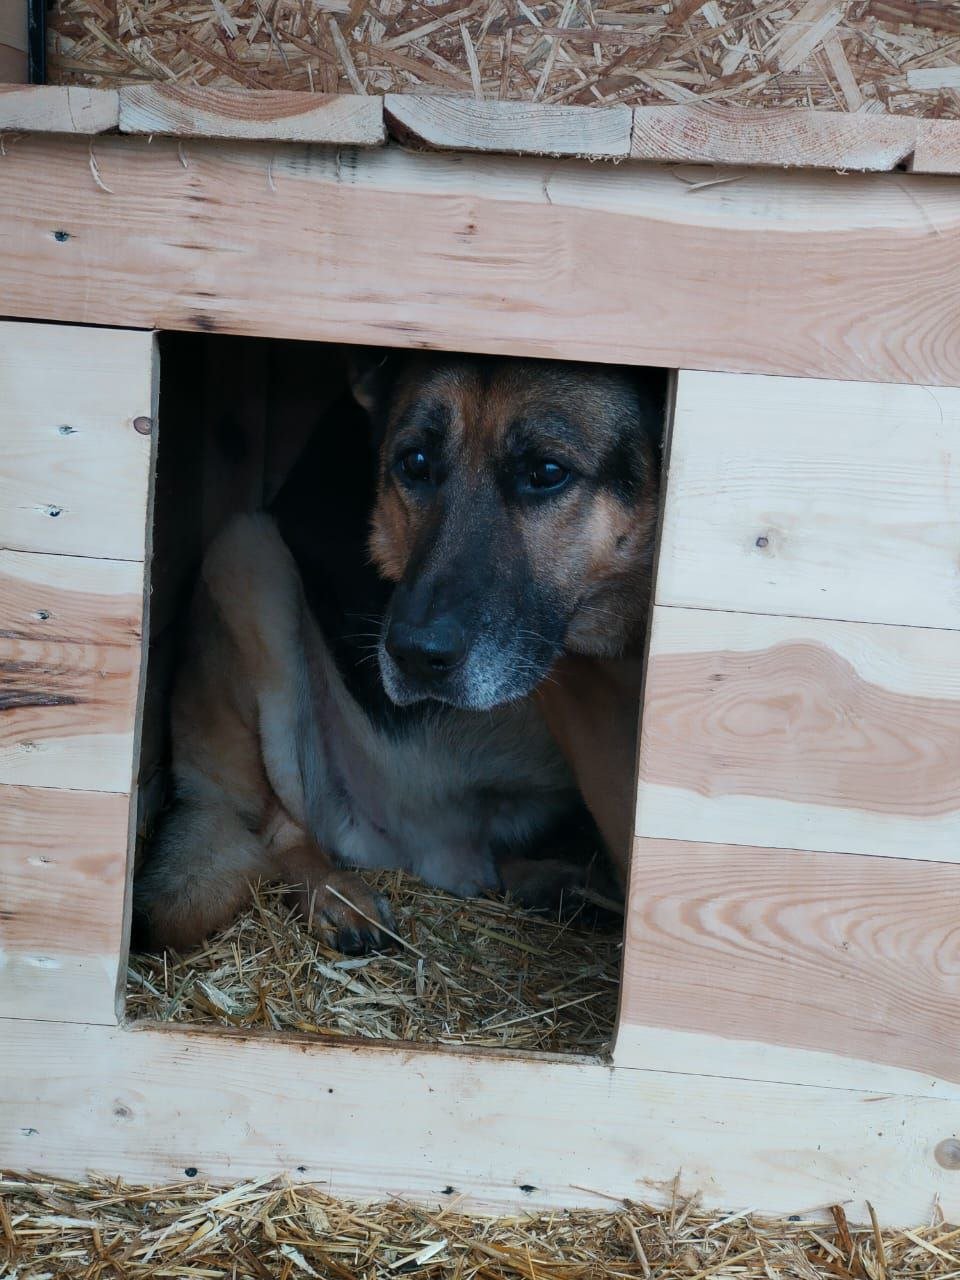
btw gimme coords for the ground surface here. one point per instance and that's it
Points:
(106, 1231)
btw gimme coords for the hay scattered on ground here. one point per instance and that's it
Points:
(477, 972)
(102, 1230)
(884, 55)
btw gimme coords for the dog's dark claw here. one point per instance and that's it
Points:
(352, 942)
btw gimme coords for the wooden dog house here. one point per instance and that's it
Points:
(790, 1012)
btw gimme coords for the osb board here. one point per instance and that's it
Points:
(63, 868)
(787, 965)
(505, 1132)
(897, 56)
(801, 733)
(184, 237)
(822, 499)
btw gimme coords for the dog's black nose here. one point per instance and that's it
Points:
(429, 651)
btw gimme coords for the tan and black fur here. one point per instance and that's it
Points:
(328, 715)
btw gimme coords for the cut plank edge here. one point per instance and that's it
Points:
(188, 111)
(695, 133)
(58, 109)
(441, 123)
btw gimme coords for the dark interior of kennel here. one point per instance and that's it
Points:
(236, 415)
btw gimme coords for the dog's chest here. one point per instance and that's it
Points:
(435, 795)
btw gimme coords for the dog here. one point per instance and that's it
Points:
(331, 713)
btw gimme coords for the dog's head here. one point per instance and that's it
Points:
(515, 512)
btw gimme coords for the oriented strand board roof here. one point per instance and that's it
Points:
(896, 56)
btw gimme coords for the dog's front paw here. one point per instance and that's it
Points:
(341, 903)
(551, 884)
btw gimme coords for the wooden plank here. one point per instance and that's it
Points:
(823, 499)
(58, 109)
(68, 714)
(70, 651)
(74, 468)
(808, 968)
(270, 114)
(66, 599)
(471, 248)
(708, 133)
(517, 128)
(798, 733)
(938, 147)
(507, 1133)
(63, 868)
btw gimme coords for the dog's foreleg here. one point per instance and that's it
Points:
(202, 866)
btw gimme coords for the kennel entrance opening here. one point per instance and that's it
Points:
(241, 421)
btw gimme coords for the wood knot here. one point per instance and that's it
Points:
(947, 1153)
(143, 426)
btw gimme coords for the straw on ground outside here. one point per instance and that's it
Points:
(103, 1229)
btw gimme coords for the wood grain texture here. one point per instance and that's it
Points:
(68, 714)
(937, 148)
(74, 472)
(802, 967)
(58, 108)
(519, 128)
(63, 860)
(194, 111)
(69, 600)
(502, 255)
(821, 499)
(375, 1121)
(704, 133)
(799, 733)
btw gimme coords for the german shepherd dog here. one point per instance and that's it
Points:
(329, 713)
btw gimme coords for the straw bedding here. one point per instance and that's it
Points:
(876, 55)
(478, 972)
(104, 1230)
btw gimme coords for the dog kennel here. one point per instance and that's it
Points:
(791, 967)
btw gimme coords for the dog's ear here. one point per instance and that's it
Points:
(370, 371)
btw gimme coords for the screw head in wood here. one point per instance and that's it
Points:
(143, 425)
(947, 1153)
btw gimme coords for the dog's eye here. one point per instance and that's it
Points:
(415, 465)
(544, 476)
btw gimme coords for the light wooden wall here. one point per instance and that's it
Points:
(77, 409)
(791, 994)
(807, 274)
(795, 886)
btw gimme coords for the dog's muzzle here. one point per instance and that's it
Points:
(427, 654)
